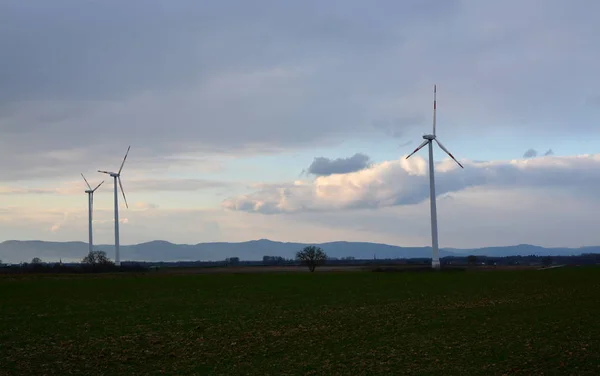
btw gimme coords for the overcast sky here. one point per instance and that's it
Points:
(290, 120)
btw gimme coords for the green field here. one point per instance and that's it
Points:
(343, 323)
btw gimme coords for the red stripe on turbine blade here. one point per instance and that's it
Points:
(450, 154)
(434, 105)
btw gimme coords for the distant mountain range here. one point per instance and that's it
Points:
(14, 251)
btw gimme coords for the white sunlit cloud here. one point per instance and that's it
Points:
(406, 182)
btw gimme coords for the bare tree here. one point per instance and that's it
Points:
(36, 260)
(96, 258)
(311, 256)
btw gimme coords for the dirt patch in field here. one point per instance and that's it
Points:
(327, 269)
(502, 267)
(165, 271)
(260, 269)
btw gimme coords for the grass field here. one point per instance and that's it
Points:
(355, 323)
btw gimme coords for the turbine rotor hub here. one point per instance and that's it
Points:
(429, 137)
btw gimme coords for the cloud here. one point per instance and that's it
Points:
(145, 206)
(184, 226)
(405, 182)
(176, 184)
(396, 128)
(532, 153)
(57, 226)
(594, 100)
(77, 187)
(322, 166)
(194, 86)
(195, 77)
(474, 217)
(19, 191)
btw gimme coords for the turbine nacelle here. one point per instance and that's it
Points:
(90, 190)
(429, 138)
(117, 177)
(112, 174)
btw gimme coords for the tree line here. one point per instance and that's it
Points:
(93, 262)
(98, 261)
(311, 257)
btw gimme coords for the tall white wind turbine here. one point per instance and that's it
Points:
(90, 193)
(117, 176)
(429, 138)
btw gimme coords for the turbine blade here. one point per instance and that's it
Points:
(122, 163)
(419, 148)
(104, 172)
(98, 186)
(447, 152)
(434, 106)
(123, 192)
(86, 182)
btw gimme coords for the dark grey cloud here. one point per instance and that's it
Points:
(322, 166)
(532, 153)
(87, 50)
(594, 100)
(109, 49)
(396, 128)
(82, 80)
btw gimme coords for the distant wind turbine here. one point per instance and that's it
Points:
(117, 176)
(429, 138)
(90, 193)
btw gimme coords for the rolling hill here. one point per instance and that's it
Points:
(14, 251)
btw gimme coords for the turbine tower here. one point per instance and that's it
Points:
(429, 138)
(90, 193)
(117, 176)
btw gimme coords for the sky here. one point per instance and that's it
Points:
(291, 120)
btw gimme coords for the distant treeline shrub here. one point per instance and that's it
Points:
(71, 268)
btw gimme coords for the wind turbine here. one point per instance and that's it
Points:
(117, 176)
(429, 138)
(90, 193)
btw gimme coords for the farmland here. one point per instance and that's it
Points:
(327, 323)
